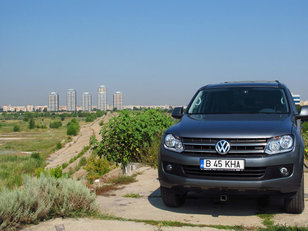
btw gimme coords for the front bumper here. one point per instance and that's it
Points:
(273, 182)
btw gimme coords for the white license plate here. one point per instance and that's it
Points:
(222, 164)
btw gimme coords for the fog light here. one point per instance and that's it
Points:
(284, 171)
(169, 167)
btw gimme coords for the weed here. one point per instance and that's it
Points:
(123, 179)
(64, 165)
(267, 219)
(132, 195)
(103, 190)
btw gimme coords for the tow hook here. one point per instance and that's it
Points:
(223, 198)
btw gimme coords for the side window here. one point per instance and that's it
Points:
(197, 103)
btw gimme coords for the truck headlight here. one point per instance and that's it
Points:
(172, 143)
(279, 144)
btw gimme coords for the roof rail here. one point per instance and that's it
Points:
(277, 81)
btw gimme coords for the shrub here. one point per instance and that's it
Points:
(31, 124)
(96, 167)
(64, 165)
(36, 156)
(150, 154)
(53, 172)
(90, 118)
(82, 161)
(42, 198)
(126, 136)
(55, 124)
(73, 127)
(16, 128)
(59, 145)
(69, 139)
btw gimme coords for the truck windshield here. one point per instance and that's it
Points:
(240, 100)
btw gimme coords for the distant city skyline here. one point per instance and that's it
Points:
(155, 52)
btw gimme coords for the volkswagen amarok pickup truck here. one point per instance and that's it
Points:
(235, 137)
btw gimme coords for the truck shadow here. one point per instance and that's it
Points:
(236, 205)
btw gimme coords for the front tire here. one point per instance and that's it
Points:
(296, 204)
(171, 198)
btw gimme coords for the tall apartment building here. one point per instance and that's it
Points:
(71, 100)
(86, 101)
(102, 98)
(30, 107)
(118, 100)
(53, 102)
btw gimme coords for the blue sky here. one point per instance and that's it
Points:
(155, 52)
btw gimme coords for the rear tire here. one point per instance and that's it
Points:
(171, 198)
(296, 204)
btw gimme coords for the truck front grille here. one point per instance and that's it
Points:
(238, 147)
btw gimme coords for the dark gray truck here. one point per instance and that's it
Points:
(235, 137)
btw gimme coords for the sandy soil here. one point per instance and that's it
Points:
(198, 209)
(73, 148)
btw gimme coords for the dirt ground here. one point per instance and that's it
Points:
(85, 224)
(76, 145)
(198, 209)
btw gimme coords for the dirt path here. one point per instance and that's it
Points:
(76, 145)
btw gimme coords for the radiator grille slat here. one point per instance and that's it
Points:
(238, 147)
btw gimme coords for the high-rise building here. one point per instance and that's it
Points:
(102, 98)
(86, 101)
(71, 100)
(30, 107)
(53, 102)
(117, 100)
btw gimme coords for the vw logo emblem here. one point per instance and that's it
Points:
(222, 147)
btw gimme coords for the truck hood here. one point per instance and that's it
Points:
(233, 126)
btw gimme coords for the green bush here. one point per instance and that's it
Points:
(36, 156)
(43, 198)
(90, 118)
(64, 165)
(96, 167)
(59, 145)
(41, 126)
(150, 156)
(53, 172)
(73, 128)
(126, 136)
(82, 161)
(31, 124)
(16, 128)
(55, 124)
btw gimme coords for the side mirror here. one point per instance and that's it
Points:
(177, 112)
(303, 115)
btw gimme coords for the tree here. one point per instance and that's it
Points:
(31, 123)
